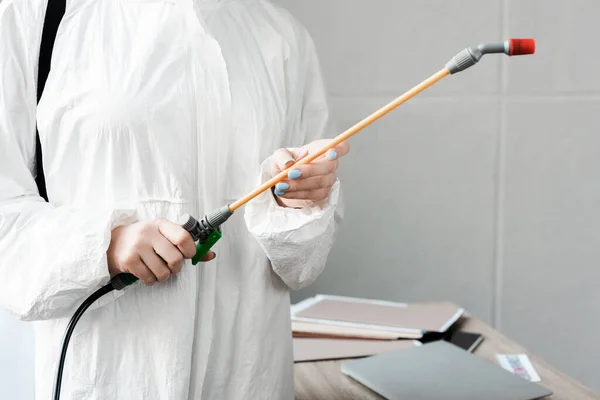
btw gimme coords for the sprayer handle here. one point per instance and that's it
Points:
(121, 281)
(202, 248)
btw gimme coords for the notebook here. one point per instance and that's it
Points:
(306, 349)
(404, 320)
(440, 370)
(321, 330)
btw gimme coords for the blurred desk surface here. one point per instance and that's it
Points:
(324, 381)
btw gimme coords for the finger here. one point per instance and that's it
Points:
(178, 236)
(315, 168)
(136, 266)
(312, 183)
(209, 256)
(342, 149)
(338, 151)
(283, 158)
(170, 254)
(314, 195)
(156, 265)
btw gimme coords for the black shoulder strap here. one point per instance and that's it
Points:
(54, 13)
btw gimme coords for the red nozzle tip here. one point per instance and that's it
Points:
(521, 47)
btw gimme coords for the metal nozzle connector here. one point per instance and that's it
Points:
(203, 228)
(463, 60)
(217, 217)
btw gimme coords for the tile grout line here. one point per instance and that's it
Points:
(499, 217)
(498, 268)
(564, 97)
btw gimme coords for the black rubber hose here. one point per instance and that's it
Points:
(70, 328)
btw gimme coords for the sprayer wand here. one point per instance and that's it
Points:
(206, 232)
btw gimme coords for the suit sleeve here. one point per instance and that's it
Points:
(298, 241)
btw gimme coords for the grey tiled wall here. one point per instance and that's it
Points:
(486, 189)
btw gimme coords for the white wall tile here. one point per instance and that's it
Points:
(551, 278)
(566, 59)
(384, 47)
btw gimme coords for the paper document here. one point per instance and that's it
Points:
(518, 364)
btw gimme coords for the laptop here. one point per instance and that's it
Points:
(440, 370)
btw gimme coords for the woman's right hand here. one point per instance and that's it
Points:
(151, 250)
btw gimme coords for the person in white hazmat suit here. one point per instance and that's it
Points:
(153, 109)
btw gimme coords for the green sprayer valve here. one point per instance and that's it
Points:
(203, 248)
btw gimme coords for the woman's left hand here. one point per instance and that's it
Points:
(307, 184)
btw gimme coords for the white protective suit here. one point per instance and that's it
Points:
(155, 108)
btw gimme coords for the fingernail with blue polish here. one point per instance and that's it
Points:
(331, 155)
(294, 174)
(280, 188)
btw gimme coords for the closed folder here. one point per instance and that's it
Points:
(311, 349)
(337, 316)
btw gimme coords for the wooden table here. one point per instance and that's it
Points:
(324, 381)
